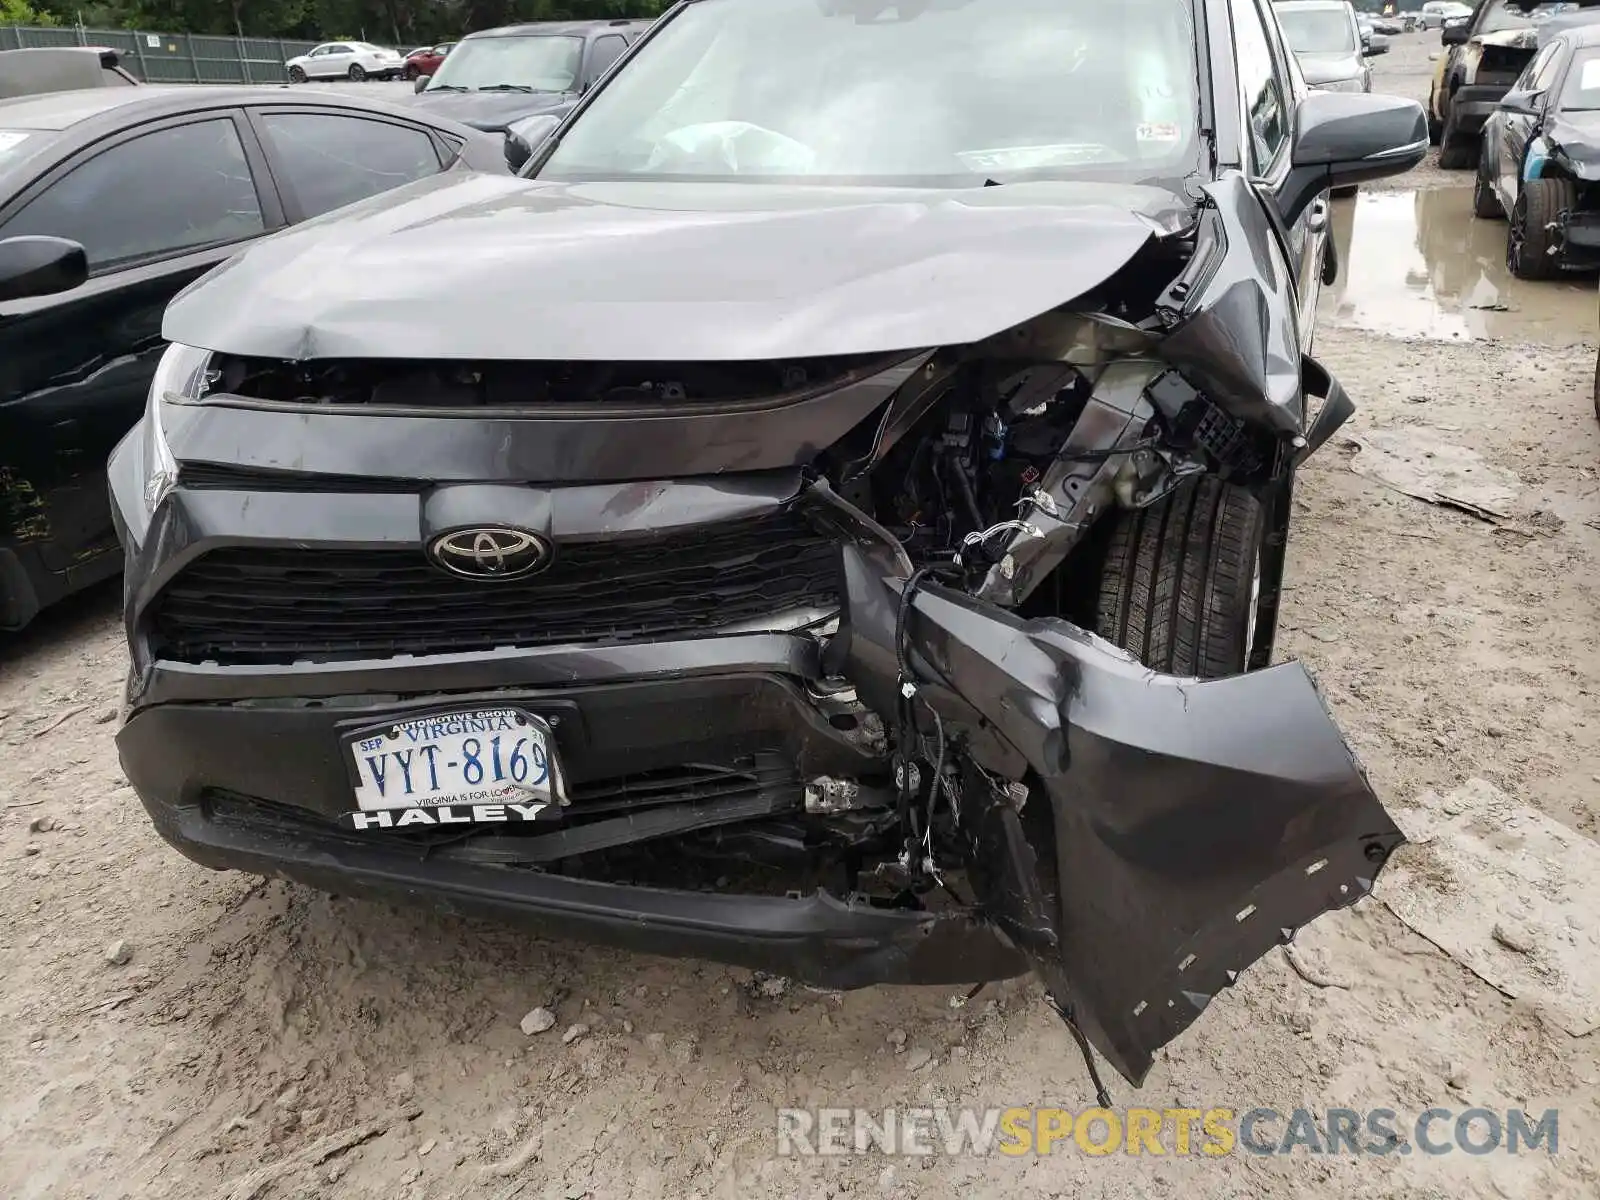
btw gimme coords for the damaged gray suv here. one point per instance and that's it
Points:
(827, 516)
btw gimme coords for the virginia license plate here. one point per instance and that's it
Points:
(464, 767)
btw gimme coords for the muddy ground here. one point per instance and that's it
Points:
(165, 1031)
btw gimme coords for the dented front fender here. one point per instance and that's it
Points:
(1192, 825)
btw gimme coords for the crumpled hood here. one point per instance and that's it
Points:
(487, 267)
(1329, 68)
(1521, 39)
(491, 111)
(1576, 136)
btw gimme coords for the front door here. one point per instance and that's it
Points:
(154, 210)
(337, 60)
(1521, 116)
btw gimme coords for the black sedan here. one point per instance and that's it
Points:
(157, 185)
(1540, 160)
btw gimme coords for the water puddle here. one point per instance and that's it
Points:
(1419, 265)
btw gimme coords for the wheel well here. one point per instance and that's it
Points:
(1073, 588)
(1554, 170)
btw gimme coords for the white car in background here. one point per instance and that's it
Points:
(346, 60)
(1436, 12)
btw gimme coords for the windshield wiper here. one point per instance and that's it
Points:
(445, 87)
(505, 87)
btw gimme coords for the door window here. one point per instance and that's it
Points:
(175, 189)
(606, 51)
(1524, 81)
(1265, 110)
(331, 160)
(1545, 76)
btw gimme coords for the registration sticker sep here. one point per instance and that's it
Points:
(463, 766)
(1159, 131)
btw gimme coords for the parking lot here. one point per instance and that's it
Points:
(173, 1032)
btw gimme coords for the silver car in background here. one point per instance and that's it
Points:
(1327, 40)
(1436, 12)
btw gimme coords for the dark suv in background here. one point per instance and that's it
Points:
(495, 79)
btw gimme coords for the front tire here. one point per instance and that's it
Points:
(1597, 387)
(1457, 150)
(1529, 238)
(357, 72)
(297, 74)
(1180, 584)
(410, 74)
(1485, 203)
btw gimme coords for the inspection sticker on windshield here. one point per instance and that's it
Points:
(1591, 75)
(10, 139)
(1159, 131)
(460, 767)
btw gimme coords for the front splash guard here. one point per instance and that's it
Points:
(1195, 824)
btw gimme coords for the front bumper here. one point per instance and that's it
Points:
(1473, 103)
(1580, 242)
(1170, 831)
(816, 939)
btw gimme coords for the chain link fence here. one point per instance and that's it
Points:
(172, 57)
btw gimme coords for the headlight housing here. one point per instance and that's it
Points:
(182, 376)
(1353, 84)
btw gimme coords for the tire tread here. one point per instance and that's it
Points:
(1176, 580)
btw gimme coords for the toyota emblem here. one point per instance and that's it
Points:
(491, 552)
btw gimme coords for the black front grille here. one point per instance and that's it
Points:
(249, 605)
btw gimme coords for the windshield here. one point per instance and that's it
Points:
(940, 92)
(538, 63)
(1317, 30)
(1582, 90)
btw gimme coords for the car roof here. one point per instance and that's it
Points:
(556, 28)
(80, 118)
(60, 111)
(1580, 35)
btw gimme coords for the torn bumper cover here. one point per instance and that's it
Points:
(1191, 825)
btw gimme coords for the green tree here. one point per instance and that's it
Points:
(20, 12)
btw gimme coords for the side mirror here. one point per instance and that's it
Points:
(1521, 102)
(525, 137)
(1346, 138)
(1454, 32)
(422, 82)
(40, 266)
